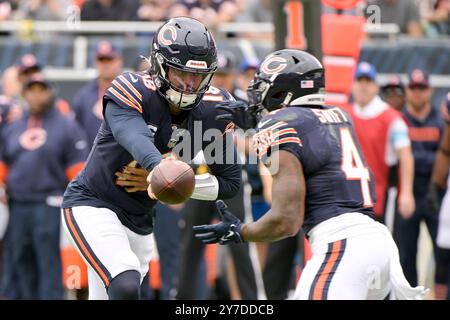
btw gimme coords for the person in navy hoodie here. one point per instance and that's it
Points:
(40, 153)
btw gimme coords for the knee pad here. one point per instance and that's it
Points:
(125, 286)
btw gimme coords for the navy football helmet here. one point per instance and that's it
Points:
(183, 60)
(287, 77)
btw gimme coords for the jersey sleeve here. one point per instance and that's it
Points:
(132, 133)
(273, 135)
(125, 91)
(398, 134)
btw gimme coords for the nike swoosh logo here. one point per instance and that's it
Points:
(261, 124)
(229, 235)
(133, 79)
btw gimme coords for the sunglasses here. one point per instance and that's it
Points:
(418, 87)
(394, 91)
(105, 59)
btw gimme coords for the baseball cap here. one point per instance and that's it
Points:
(37, 79)
(28, 62)
(418, 77)
(106, 49)
(366, 70)
(225, 62)
(248, 64)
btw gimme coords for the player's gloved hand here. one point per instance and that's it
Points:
(224, 232)
(237, 112)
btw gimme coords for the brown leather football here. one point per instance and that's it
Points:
(172, 181)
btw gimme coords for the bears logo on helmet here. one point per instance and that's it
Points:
(183, 47)
(287, 77)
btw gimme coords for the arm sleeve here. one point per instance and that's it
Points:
(398, 134)
(131, 132)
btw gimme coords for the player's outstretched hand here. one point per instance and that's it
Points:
(224, 232)
(237, 112)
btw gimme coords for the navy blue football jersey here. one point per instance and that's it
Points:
(338, 179)
(135, 92)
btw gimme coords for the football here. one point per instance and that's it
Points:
(172, 181)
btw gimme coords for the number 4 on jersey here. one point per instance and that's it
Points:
(353, 166)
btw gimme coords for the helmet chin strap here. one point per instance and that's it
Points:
(180, 100)
(287, 99)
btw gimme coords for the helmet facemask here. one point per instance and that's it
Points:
(188, 85)
(256, 92)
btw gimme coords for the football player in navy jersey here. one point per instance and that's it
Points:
(321, 182)
(145, 115)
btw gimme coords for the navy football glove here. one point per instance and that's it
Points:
(224, 232)
(237, 112)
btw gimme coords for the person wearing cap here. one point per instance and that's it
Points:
(425, 127)
(27, 67)
(383, 136)
(41, 152)
(393, 92)
(442, 178)
(17, 75)
(87, 102)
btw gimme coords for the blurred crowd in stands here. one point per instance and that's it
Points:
(414, 17)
